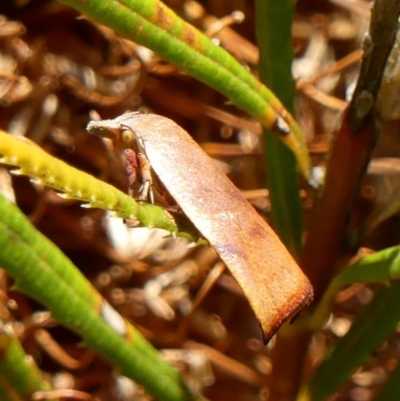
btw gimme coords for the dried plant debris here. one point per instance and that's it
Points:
(55, 69)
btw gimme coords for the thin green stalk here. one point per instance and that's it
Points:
(273, 28)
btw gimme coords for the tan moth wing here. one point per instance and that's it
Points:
(272, 281)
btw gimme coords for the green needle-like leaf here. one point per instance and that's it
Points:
(357, 345)
(391, 389)
(273, 26)
(75, 184)
(19, 375)
(152, 24)
(44, 273)
(380, 267)
(363, 338)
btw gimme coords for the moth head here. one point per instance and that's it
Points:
(128, 137)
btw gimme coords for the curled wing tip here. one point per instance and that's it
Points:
(294, 307)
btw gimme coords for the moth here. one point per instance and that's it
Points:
(272, 281)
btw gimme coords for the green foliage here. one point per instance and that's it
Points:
(75, 184)
(154, 25)
(19, 375)
(370, 329)
(43, 272)
(276, 56)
